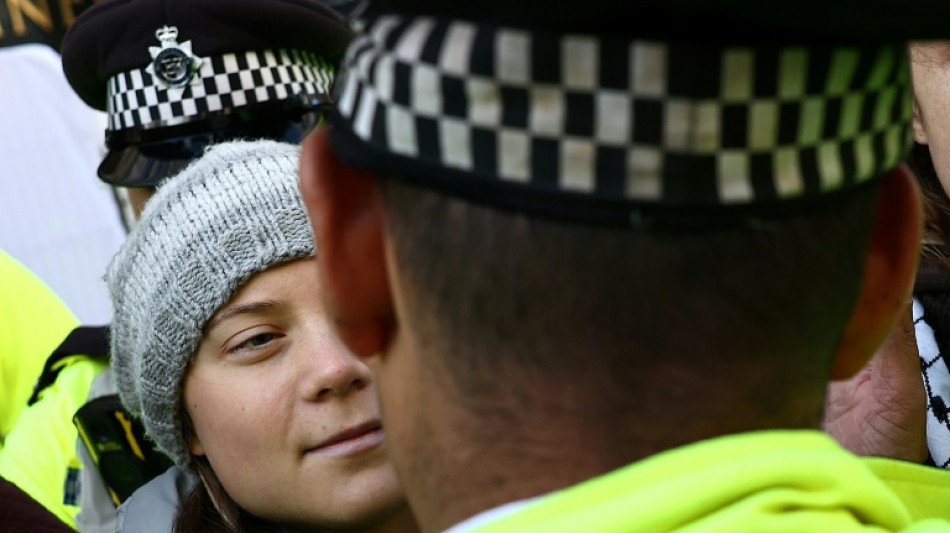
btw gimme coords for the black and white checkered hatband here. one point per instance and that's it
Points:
(137, 99)
(602, 121)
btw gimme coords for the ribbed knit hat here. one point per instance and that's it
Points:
(232, 213)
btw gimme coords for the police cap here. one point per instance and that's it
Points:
(175, 75)
(600, 110)
(739, 20)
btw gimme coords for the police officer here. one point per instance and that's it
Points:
(604, 257)
(172, 76)
(33, 322)
(57, 232)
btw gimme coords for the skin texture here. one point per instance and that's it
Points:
(137, 197)
(442, 465)
(930, 72)
(882, 409)
(269, 386)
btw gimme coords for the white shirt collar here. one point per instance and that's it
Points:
(474, 522)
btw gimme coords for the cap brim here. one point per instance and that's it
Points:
(147, 164)
(129, 167)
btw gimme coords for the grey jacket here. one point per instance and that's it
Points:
(154, 506)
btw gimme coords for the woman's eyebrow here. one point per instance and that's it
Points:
(248, 308)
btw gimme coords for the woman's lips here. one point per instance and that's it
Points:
(352, 440)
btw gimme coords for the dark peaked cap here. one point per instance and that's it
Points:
(839, 20)
(603, 111)
(177, 75)
(114, 36)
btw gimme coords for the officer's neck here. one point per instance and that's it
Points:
(473, 456)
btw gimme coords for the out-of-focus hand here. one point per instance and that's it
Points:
(882, 411)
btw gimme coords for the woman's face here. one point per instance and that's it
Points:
(287, 418)
(930, 71)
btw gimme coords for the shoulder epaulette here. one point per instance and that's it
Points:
(92, 341)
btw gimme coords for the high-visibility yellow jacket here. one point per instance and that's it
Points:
(33, 321)
(41, 456)
(775, 481)
(39, 441)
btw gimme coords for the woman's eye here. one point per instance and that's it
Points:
(255, 341)
(258, 340)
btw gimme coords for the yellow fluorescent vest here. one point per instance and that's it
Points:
(38, 452)
(40, 456)
(776, 481)
(33, 321)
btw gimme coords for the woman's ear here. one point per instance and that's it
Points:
(890, 266)
(348, 219)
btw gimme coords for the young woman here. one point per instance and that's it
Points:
(220, 347)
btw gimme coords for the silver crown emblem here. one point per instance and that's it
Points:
(173, 64)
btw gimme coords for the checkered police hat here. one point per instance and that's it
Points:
(599, 126)
(176, 75)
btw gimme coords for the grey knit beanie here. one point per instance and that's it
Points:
(232, 213)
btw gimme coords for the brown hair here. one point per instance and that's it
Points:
(209, 508)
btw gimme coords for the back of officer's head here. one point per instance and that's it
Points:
(566, 202)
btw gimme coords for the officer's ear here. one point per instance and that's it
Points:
(890, 266)
(348, 219)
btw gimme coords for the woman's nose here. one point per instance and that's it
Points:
(331, 370)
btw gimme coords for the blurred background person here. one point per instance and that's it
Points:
(33, 321)
(58, 228)
(56, 220)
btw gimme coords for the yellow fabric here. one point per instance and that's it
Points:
(777, 481)
(33, 322)
(923, 489)
(41, 449)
